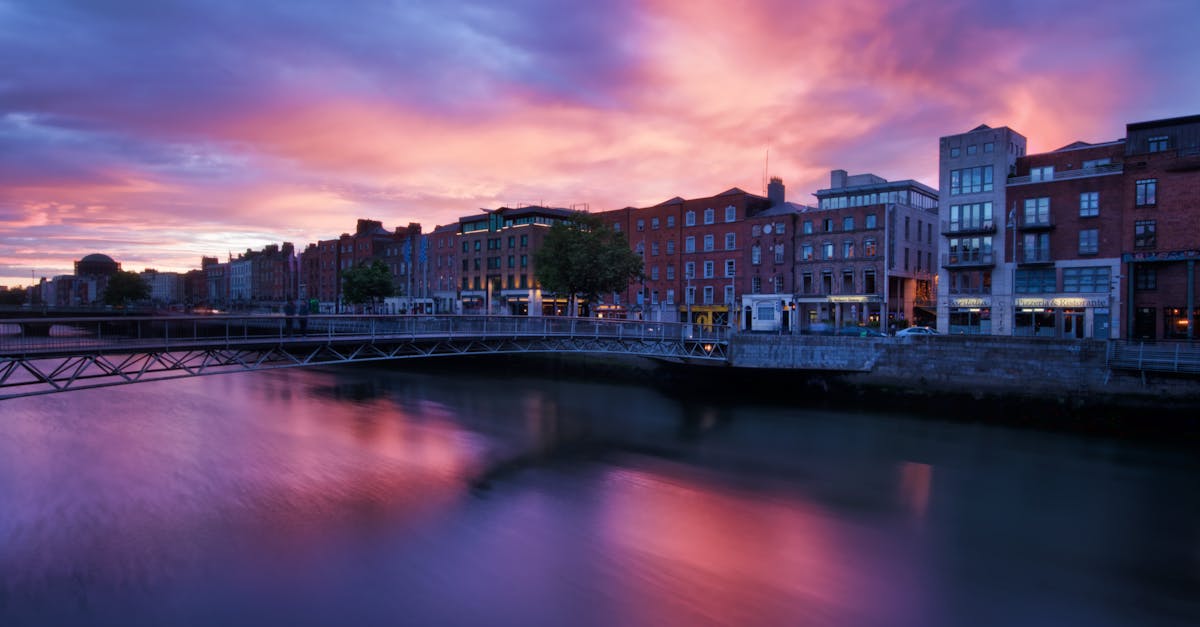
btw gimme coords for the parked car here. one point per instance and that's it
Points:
(859, 332)
(916, 331)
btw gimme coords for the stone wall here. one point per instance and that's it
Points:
(977, 366)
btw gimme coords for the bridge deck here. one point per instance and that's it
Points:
(77, 353)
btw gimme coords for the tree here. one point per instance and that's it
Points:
(13, 296)
(124, 288)
(366, 283)
(582, 257)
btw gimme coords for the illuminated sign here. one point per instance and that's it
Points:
(970, 302)
(1075, 302)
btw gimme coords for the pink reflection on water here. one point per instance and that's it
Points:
(739, 557)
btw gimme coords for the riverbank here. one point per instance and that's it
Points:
(1062, 386)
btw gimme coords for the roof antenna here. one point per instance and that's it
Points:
(766, 168)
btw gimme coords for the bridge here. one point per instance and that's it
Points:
(90, 352)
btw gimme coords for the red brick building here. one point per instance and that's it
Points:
(496, 267)
(697, 256)
(1066, 207)
(1161, 228)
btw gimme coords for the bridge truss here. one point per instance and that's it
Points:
(146, 350)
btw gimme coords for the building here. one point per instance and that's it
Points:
(497, 273)
(976, 269)
(166, 288)
(767, 294)
(867, 254)
(1161, 228)
(444, 271)
(697, 256)
(1090, 240)
(1065, 206)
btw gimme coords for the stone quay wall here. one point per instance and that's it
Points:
(975, 366)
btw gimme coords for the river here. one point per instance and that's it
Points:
(371, 496)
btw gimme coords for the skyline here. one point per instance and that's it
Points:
(158, 133)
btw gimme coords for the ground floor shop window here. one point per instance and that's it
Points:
(974, 321)
(1034, 323)
(1175, 323)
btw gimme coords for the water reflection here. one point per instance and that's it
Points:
(365, 496)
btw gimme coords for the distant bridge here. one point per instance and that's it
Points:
(89, 352)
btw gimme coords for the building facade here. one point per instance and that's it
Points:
(976, 269)
(497, 273)
(866, 255)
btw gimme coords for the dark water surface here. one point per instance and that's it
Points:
(376, 497)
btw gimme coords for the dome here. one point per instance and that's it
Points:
(96, 264)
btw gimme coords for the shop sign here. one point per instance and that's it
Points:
(1075, 302)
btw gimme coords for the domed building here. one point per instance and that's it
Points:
(96, 264)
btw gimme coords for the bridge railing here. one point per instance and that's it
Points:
(22, 337)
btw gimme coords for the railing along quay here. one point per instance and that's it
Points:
(1177, 357)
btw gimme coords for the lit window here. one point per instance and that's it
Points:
(1147, 193)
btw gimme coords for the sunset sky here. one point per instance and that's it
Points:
(158, 131)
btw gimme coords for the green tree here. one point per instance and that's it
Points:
(124, 288)
(583, 258)
(366, 284)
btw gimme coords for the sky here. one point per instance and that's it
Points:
(159, 131)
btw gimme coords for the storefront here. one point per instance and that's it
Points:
(768, 312)
(1063, 317)
(970, 316)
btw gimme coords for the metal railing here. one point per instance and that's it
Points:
(33, 336)
(1112, 168)
(1179, 357)
(970, 258)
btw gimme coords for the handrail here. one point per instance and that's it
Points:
(26, 336)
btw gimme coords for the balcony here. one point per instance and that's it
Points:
(1035, 257)
(1039, 225)
(970, 227)
(1112, 168)
(968, 259)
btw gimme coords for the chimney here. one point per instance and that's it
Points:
(837, 179)
(775, 191)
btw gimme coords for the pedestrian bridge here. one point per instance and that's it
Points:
(41, 357)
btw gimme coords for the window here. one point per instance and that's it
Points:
(524, 241)
(1156, 144)
(1093, 279)
(871, 221)
(989, 146)
(670, 222)
(826, 281)
(847, 281)
(689, 218)
(756, 230)
(1037, 211)
(1044, 173)
(778, 283)
(808, 229)
(972, 149)
(971, 180)
(1089, 241)
(806, 252)
(689, 244)
(690, 295)
(1092, 164)
(955, 152)
(654, 297)
(524, 261)
(755, 254)
(671, 273)
(848, 223)
(689, 270)
(708, 242)
(730, 241)
(779, 253)
(848, 249)
(640, 248)
(828, 225)
(653, 249)
(756, 285)
(730, 267)
(512, 241)
(907, 227)
(868, 281)
(710, 216)
(708, 295)
(1037, 247)
(617, 226)
(730, 213)
(512, 261)
(827, 250)
(1089, 204)
(654, 224)
(654, 273)
(641, 225)
(1147, 193)
(478, 245)
(465, 246)
(869, 247)
(670, 247)
(806, 282)
(1145, 278)
(670, 297)
(970, 217)
(780, 228)
(1143, 234)
(1036, 281)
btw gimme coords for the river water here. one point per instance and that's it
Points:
(368, 496)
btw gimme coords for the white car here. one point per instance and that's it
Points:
(916, 331)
